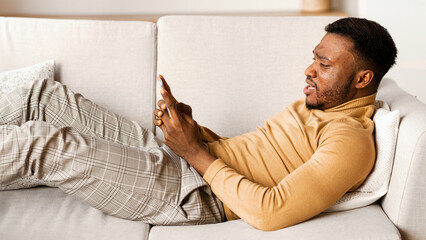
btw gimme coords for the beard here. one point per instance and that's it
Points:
(335, 94)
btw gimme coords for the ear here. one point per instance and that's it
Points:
(364, 78)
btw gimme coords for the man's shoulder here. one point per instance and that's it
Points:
(349, 128)
(350, 124)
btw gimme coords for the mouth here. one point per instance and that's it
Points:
(310, 88)
(310, 82)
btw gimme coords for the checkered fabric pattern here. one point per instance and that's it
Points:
(49, 133)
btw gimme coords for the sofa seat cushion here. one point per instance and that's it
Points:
(48, 213)
(363, 223)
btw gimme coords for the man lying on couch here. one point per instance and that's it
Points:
(296, 166)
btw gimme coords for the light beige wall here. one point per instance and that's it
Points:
(406, 22)
(144, 7)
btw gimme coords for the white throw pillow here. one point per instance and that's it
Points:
(24, 77)
(376, 184)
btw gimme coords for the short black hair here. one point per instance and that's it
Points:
(373, 44)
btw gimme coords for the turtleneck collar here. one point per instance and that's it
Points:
(353, 104)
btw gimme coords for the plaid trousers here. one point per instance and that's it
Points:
(59, 138)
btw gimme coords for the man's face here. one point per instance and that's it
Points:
(330, 77)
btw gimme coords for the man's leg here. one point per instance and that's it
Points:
(52, 102)
(121, 181)
(163, 189)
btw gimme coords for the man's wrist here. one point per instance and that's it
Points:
(200, 159)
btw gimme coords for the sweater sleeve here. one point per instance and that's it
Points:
(208, 135)
(342, 159)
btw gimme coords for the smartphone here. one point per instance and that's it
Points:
(160, 82)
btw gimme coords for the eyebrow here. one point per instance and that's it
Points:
(319, 56)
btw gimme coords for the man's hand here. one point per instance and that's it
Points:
(180, 131)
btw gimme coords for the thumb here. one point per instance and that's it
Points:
(166, 85)
(183, 108)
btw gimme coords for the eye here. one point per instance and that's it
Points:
(324, 65)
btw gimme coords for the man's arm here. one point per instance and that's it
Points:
(305, 192)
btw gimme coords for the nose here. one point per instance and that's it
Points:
(310, 71)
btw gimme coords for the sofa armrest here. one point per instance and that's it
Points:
(404, 203)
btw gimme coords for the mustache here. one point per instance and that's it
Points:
(313, 82)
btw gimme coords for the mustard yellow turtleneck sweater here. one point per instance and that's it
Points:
(296, 166)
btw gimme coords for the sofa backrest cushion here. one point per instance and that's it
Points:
(237, 71)
(109, 62)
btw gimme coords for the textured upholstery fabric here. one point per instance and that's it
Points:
(363, 223)
(405, 201)
(109, 62)
(14, 79)
(48, 213)
(237, 71)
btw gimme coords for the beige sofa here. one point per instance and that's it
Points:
(235, 72)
